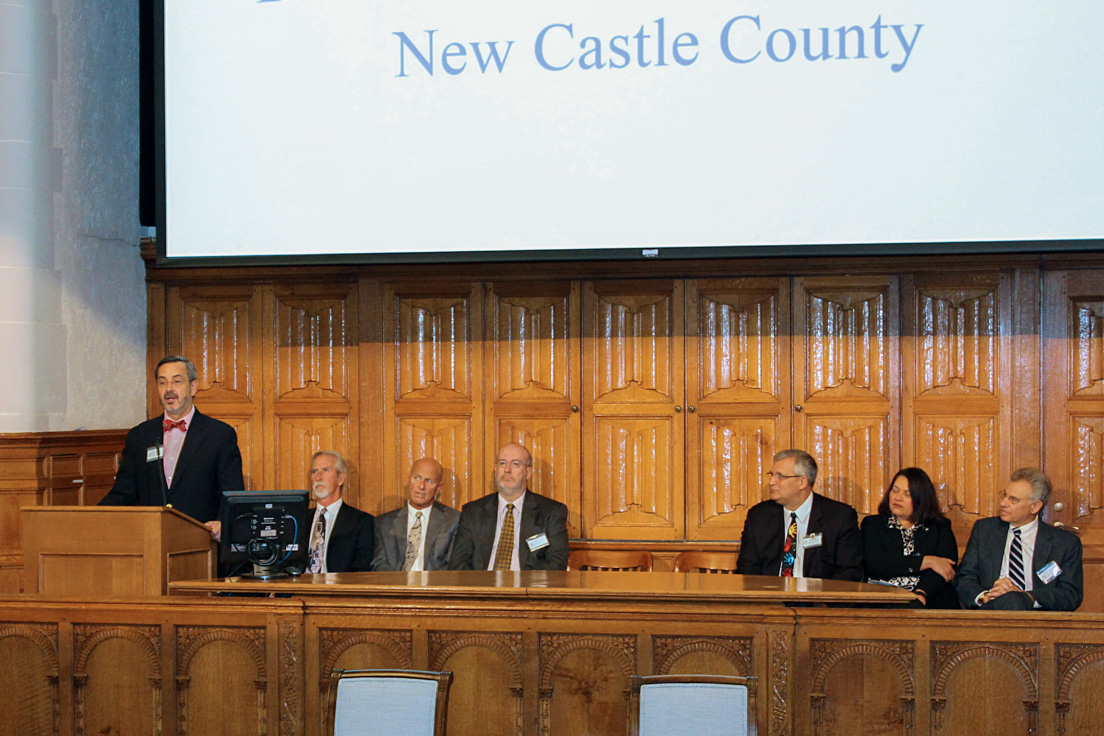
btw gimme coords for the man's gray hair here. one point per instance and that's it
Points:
(339, 462)
(804, 464)
(1040, 484)
(192, 375)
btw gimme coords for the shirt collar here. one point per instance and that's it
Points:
(187, 418)
(803, 510)
(517, 502)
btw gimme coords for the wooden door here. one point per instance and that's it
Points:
(532, 358)
(847, 383)
(739, 390)
(632, 413)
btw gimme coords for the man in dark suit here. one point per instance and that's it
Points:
(417, 536)
(341, 535)
(1018, 562)
(183, 458)
(492, 537)
(797, 532)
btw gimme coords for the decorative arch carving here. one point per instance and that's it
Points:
(443, 645)
(1022, 658)
(554, 647)
(1071, 660)
(826, 654)
(87, 638)
(45, 638)
(193, 639)
(332, 643)
(667, 650)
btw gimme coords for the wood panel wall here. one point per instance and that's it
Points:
(249, 667)
(653, 395)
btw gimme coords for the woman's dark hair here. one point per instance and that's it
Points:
(925, 504)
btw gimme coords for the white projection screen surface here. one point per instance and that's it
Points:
(387, 130)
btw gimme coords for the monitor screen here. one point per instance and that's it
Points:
(491, 130)
(268, 530)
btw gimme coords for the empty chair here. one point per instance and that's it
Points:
(614, 559)
(388, 702)
(715, 562)
(693, 705)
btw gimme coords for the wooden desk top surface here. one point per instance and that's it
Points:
(558, 585)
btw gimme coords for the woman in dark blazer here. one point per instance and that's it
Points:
(909, 543)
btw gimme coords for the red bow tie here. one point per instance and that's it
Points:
(167, 424)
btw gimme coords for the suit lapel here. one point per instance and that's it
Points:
(530, 523)
(1044, 541)
(488, 521)
(193, 438)
(397, 534)
(810, 566)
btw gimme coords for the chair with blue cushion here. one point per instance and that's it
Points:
(693, 705)
(388, 702)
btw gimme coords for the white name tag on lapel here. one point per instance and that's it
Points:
(154, 453)
(537, 541)
(811, 540)
(1049, 571)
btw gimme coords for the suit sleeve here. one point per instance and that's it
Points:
(379, 548)
(462, 549)
(967, 582)
(364, 545)
(849, 552)
(124, 492)
(1065, 592)
(555, 528)
(229, 464)
(931, 582)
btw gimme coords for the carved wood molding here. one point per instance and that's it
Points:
(86, 637)
(508, 647)
(779, 676)
(1071, 659)
(191, 639)
(332, 643)
(553, 648)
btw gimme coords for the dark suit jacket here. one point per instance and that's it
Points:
(476, 531)
(350, 546)
(884, 558)
(839, 556)
(390, 552)
(981, 564)
(209, 464)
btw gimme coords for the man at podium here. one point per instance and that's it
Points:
(183, 459)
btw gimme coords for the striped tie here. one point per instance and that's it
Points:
(1015, 561)
(505, 553)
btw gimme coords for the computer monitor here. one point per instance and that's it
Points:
(268, 530)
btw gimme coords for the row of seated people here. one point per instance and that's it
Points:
(1013, 561)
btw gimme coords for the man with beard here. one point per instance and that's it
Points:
(515, 528)
(341, 535)
(183, 459)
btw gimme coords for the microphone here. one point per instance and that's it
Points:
(161, 474)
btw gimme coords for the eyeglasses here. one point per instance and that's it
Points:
(781, 476)
(515, 464)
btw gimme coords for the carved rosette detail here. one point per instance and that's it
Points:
(553, 648)
(87, 637)
(1023, 658)
(827, 653)
(779, 645)
(290, 633)
(444, 644)
(1071, 660)
(45, 637)
(668, 650)
(190, 639)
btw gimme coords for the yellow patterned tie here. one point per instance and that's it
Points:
(413, 542)
(505, 540)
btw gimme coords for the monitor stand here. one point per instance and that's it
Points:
(265, 572)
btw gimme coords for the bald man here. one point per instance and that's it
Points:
(515, 528)
(419, 535)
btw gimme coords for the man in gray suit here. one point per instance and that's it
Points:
(417, 536)
(1018, 562)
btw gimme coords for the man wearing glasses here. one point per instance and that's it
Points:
(798, 533)
(515, 528)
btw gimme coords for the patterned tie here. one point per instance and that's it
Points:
(789, 550)
(505, 551)
(167, 424)
(413, 542)
(1015, 561)
(318, 543)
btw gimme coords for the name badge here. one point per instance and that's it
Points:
(1049, 571)
(537, 541)
(811, 540)
(154, 453)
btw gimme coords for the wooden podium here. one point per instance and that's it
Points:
(111, 551)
